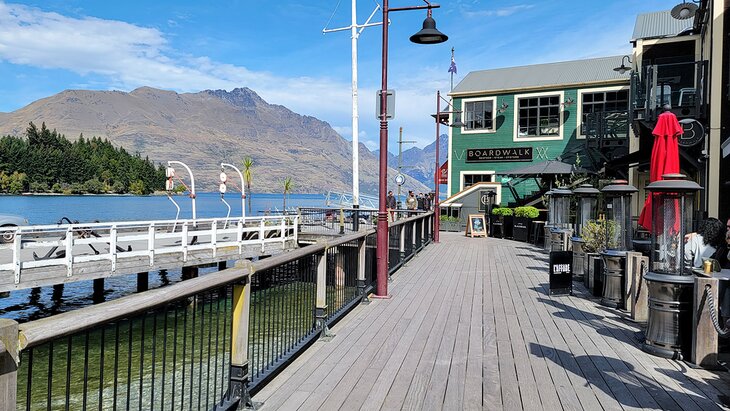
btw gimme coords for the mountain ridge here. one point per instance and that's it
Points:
(206, 128)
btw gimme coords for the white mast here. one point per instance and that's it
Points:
(355, 34)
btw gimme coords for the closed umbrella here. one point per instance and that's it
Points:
(664, 157)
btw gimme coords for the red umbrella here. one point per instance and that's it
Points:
(664, 157)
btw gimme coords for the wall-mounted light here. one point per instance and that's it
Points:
(569, 102)
(503, 107)
(623, 68)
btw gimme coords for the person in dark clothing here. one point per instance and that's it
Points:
(390, 205)
(419, 200)
(427, 202)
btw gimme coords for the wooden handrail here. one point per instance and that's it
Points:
(46, 329)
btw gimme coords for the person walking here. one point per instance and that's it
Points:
(390, 205)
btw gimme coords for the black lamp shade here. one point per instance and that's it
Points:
(429, 34)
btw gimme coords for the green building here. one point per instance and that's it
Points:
(517, 116)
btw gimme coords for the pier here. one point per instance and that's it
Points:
(470, 325)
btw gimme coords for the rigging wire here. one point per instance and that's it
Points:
(333, 14)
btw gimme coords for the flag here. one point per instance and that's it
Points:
(452, 68)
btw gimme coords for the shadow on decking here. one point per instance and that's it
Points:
(611, 374)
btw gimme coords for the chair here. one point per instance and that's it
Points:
(538, 233)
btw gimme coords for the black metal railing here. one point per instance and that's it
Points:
(207, 342)
(683, 86)
(345, 220)
(395, 258)
(175, 356)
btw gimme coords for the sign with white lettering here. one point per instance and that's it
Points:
(561, 277)
(491, 155)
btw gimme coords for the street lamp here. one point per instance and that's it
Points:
(428, 35)
(442, 117)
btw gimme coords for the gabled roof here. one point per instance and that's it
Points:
(595, 70)
(659, 24)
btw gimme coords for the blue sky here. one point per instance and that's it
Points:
(277, 49)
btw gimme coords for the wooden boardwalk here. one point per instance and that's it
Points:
(471, 326)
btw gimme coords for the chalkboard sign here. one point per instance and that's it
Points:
(561, 277)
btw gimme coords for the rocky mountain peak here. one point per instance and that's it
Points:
(242, 97)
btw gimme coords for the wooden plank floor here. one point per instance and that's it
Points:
(470, 326)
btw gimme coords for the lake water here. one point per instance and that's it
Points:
(27, 305)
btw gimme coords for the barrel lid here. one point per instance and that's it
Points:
(619, 187)
(674, 183)
(586, 190)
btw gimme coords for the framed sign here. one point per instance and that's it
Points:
(476, 226)
(490, 155)
(561, 277)
(484, 199)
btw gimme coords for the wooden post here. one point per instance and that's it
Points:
(402, 244)
(638, 303)
(143, 282)
(413, 239)
(98, 290)
(361, 255)
(9, 359)
(704, 341)
(320, 310)
(239, 373)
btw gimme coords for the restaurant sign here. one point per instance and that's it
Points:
(490, 155)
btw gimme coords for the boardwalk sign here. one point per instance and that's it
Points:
(490, 155)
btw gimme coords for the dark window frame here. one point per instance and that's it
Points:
(479, 115)
(617, 104)
(470, 178)
(537, 114)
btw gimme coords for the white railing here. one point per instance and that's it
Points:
(67, 244)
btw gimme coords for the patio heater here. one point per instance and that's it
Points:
(670, 282)
(619, 232)
(587, 200)
(559, 219)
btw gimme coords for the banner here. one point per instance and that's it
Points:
(444, 173)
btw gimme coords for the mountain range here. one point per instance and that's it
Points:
(420, 163)
(206, 128)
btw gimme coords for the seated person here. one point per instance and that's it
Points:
(707, 242)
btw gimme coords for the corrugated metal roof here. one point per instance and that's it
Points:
(543, 75)
(659, 24)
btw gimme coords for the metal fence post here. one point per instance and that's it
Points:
(320, 311)
(361, 255)
(9, 359)
(239, 372)
(402, 244)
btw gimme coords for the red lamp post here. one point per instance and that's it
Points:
(441, 117)
(428, 35)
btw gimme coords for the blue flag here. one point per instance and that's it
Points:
(452, 68)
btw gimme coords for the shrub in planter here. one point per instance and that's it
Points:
(503, 220)
(522, 220)
(450, 223)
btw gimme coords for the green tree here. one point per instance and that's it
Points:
(248, 178)
(137, 187)
(288, 186)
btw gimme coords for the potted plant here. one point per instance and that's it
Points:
(501, 221)
(449, 223)
(523, 217)
(594, 237)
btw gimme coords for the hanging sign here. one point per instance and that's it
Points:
(490, 155)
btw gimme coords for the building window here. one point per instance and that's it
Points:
(602, 101)
(539, 116)
(479, 115)
(471, 179)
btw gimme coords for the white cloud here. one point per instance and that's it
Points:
(469, 12)
(126, 56)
